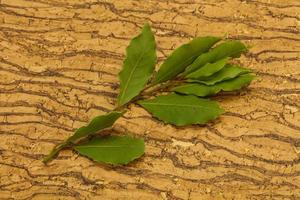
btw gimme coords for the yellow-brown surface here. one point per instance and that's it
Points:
(59, 62)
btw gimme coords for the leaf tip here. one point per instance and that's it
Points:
(147, 25)
(222, 111)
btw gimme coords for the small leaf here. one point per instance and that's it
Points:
(228, 72)
(138, 65)
(182, 110)
(97, 124)
(203, 90)
(182, 57)
(115, 150)
(208, 69)
(232, 49)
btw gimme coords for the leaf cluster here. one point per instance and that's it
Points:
(178, 93)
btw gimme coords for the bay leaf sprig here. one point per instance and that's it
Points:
(178, 93)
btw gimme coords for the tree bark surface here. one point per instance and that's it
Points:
(59, 64)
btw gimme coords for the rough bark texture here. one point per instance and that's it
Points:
(59, 62)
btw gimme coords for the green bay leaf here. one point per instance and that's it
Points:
(228, 72)
(138, 65)
(182, 57)
(227, 49)
(182, 110)
(97, 124)
(208, 69)
(115, 150)
(203, 90)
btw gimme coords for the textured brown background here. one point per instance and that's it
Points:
(59, 62)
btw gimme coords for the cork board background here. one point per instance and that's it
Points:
(59, 61)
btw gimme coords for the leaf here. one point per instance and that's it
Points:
(228, 72)
(182, 57)
(97, 124)
(115, 150)
(232, 49)
(203, 90)
(182, 110)
(138, 65)
(208, 69)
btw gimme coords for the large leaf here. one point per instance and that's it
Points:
(203, 90)
(97, 124)
(227, 49)
(138, 65)
(182, 57)
(208, 69)
(228, 72)
(182, 110)
(116, 150)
